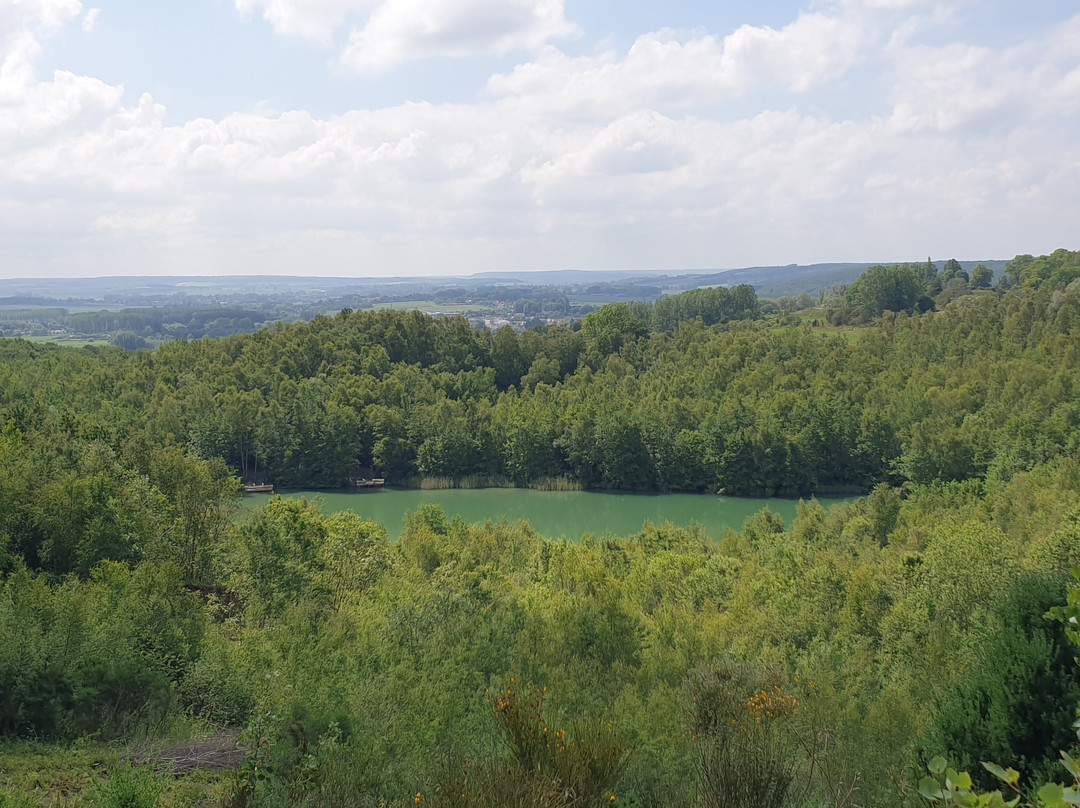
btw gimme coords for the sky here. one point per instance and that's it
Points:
(427, 137)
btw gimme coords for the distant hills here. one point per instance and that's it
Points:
(768, 281)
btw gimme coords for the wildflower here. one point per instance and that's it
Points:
(418, 799)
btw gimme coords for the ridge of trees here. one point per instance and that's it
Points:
(688, 394)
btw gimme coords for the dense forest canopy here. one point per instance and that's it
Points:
(485, 660)
(697, 392)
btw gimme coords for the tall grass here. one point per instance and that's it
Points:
(475, 481)
(468, 482)
(562, 483)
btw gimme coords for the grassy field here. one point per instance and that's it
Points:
(37, 773)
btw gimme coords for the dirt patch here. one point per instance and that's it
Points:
(218, 753)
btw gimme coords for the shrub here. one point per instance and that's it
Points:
(1016, 703)
(569, 768)
(127, 787)
(738, 717)
(95, 656)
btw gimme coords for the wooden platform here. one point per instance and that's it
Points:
(373, 483)
(263, 488)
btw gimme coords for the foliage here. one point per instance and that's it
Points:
(946, 787)
(127, 787)
(1017, 702)
(881, 289)
(131, 591)
(738, 719)
(585, 762)
(96, 656)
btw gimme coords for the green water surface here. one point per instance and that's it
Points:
(555, 514)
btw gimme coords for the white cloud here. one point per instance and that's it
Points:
(47, 109)
(608, 160)
(154, 224)
(965, 87)
(21, 23)
(897, 5)
(952, 87)
(400, 30)
(311, 19)
(31, 110)
(662, 71)
(385, 33)
(809, 51)
(18, 15)
(90, 20)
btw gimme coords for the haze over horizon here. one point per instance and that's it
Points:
(424, 137)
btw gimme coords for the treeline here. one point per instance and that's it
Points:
(179, 322)
(912, 288)
(157, 323)
(917, 288)
(532, 301)
(720, 401)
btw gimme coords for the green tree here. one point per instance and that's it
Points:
(203, 495)
(982, 277)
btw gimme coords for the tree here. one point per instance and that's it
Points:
(203, 495)
(506, 357)
(982, 277)
(608, 329)
(1017, 703)
(129, 341)
(275, 557)
(882, 289)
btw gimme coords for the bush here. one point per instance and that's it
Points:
(738, 717)
(95, 656)
(127, 787)
(1016, 703)
(549, 766)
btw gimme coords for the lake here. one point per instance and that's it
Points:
(555, 514)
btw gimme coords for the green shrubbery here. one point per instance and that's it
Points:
(127, 786)
(94, 657)
(129, 594)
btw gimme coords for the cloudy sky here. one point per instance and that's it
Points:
(384, 137)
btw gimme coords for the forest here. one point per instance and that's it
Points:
(875, 654)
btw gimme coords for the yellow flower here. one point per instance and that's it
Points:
(418, 799)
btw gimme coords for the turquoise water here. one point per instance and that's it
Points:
(555, 514)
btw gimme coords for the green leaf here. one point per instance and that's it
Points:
(937, 765)
(1010, 776)
(1052, 795)
(962, 781)
(1071, 765)
(930, 788)
(1071, 796)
